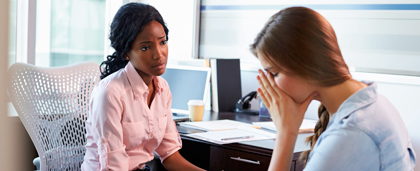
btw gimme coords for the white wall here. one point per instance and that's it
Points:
(385, 35)
(4, 30)
(9, 141)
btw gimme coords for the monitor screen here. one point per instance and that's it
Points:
(186, 83)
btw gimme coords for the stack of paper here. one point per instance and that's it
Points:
(227, 131)
(217, 125)
(242, 133)
(307, 126)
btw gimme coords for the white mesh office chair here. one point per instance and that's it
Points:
(53, 105)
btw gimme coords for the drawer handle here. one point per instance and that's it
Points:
(245, 160)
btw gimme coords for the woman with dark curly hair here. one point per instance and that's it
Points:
(130, 109)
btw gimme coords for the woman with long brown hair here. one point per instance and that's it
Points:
(358, 129)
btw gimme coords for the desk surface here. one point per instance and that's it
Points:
(261, 146)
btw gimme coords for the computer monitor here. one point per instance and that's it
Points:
(187, 83)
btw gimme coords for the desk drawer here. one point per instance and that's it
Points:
(232, 160)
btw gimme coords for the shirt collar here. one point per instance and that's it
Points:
(356, 101)
(137, 84)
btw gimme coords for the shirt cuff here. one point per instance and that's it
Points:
(115, 160)
(169, 153)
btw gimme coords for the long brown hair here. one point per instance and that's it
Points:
(299, 41)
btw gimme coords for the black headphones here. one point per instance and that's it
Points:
(243, 103)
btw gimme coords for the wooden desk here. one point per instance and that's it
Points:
(252, 155)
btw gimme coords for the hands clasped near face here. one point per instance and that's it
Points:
(287, 114)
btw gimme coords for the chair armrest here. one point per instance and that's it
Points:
(37, 163)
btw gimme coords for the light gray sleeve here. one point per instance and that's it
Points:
(344, 149)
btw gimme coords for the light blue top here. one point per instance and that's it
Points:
(366, 133)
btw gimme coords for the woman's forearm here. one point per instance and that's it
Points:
(283, 151)
(177, 162)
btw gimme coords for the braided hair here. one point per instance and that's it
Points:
(320, 127)
(128, 22)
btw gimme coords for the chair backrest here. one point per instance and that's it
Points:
(53, 105)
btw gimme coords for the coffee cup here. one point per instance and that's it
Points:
(196, 109)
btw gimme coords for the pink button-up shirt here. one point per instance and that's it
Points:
(122, 132)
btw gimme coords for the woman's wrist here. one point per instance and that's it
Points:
(287, 131)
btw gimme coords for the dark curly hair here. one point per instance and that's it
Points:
(128, 22)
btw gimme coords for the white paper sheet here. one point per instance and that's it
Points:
(307, 126)
(217, 125)
(242, 133)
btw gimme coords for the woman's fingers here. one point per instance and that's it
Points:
(267, 85)
(263, 98)
(280, 93)
(276, 88)
(263, 88)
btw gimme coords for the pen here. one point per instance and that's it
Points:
(234, 138)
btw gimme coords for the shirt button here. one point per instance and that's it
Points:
(151, 135)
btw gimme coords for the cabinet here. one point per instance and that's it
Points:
(230, 157)
(251, 155)
(227, 160)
